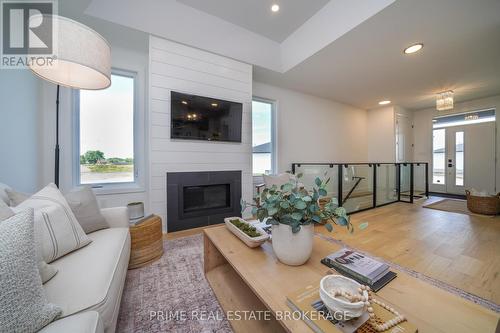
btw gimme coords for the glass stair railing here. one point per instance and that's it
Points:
(361, 186)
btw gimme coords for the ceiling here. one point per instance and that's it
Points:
(346, 51)
(256, 16)
(367, 64)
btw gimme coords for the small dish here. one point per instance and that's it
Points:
(341, 309)
(249, 241)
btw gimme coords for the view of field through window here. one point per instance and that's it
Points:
(107, 133)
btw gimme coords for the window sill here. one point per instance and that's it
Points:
(108, 189)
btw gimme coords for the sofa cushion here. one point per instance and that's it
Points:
(92, 278)
(57, 231)
(24, 307)
(86, 322)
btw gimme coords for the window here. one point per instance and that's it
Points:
(438, 156)
(459, 158)
(106, 132)
(263, 142)
(467, 118)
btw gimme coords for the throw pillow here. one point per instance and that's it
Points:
(47, 271)
(22, 300)
(5, 211)
(3, 195)
(16, 198)
(83, 203)
(57, 231)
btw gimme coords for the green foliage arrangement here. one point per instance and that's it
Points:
(246, 228)
(295, 206)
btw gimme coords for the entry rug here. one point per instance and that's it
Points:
(455, 206)
(172, 294)
(436, 283)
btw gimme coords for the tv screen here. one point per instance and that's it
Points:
(203, 118)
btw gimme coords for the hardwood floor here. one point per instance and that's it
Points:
(461, 250)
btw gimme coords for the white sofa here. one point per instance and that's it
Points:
(89, 283)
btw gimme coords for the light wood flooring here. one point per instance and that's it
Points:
(461, 250)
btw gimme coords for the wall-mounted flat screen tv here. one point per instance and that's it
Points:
(203, 118)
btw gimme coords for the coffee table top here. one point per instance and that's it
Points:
(429, 308)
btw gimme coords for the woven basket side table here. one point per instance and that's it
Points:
(147, 242)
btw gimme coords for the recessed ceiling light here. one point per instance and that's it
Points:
(384, 102)
(275, 8)
(413, 48)
(184, 102)
(215, 105)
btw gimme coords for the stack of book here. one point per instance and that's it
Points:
(360, 268)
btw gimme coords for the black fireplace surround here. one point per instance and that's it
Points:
(197, 199)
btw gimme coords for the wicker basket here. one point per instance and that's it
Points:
(483, 205)
(146, 242)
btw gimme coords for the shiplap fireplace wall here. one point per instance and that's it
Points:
(180, 68)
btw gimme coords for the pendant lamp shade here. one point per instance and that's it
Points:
(83, 57)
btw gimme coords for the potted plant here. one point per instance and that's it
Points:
(293, 211)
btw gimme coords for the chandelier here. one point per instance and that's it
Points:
(444, 100)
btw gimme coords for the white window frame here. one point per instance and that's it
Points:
(274, 154)
(111, 188)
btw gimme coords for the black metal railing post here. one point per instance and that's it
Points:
(398, 180)
(340, 185)
(411, 183)
(426, 179)
(375, 185)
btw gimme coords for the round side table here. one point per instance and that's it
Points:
(147, 242)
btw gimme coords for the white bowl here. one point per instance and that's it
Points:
(338, 307)
(249, 241)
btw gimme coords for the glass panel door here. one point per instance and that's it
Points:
(455, 165)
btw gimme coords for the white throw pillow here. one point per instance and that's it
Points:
(3, 195)
(15, 197)
(57, 231)
(5, 211)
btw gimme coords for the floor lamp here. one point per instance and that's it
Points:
(83, 61)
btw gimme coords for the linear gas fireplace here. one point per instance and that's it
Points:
(197, 199)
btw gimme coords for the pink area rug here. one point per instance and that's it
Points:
(171, 294)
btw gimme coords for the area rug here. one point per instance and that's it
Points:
(454, 206)
(172, 294)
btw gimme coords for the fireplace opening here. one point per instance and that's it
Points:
(199, 198)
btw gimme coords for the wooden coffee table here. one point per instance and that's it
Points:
(253, 279)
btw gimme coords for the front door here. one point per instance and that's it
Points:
(464, 158)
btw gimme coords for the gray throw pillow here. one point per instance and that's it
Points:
(24, 305)
(83, 203)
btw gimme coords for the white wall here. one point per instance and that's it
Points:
(19, 119)
(189, 70)
(422, 120)
(313, 129)
(381, 135)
